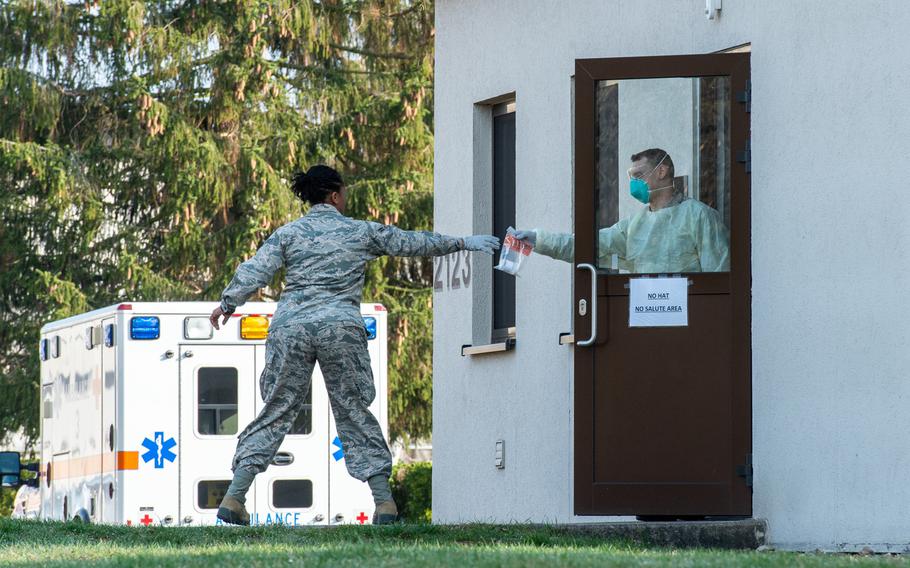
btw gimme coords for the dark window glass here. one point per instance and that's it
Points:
(304, 423)
(503, 217)
(209, 493)
(292, 493)
(217, 400)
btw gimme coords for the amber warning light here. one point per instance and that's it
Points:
(254, 327)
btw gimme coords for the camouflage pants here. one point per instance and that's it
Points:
(291, 352)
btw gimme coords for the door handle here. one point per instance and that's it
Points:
(593, 309)
(187, 353)
(283, 458)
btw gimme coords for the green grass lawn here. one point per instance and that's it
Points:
(57, 544)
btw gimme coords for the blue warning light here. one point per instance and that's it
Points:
(370, 325)
(145, 327)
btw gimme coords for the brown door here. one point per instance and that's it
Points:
(662, 403)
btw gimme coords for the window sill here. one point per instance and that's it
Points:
(501, 347)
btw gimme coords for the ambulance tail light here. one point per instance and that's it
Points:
(254, 327)
(370, 324)
(145, 327)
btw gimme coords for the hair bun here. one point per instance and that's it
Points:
(315, 184)
(303, 186)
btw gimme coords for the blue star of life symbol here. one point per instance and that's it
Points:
(339, 453)
(159, 450)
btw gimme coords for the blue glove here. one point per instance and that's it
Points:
(481, 243)
(527, 236)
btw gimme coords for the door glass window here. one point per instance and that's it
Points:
(209, 493)
(304, 423)
(292, 493)
(217, 400)
(662, 175)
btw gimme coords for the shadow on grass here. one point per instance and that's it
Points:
(14, 532)
(30, 543)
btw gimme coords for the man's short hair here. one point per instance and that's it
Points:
(654, 157)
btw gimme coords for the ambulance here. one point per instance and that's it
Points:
(141, 406)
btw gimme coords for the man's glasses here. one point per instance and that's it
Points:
(635, 173)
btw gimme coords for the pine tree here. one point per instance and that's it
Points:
(146, 149)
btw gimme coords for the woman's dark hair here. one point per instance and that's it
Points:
(316, 184)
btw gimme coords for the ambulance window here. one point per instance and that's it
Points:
(47, 397)
(217, 402)
(304, 423)
(292, 493)
(209, 493)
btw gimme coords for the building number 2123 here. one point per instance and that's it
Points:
(452, 271)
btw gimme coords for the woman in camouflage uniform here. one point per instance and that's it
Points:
(318, 320)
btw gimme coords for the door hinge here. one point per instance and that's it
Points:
(745, 471)
(745, 96)
(745, 157)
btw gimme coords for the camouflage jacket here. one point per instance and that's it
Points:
(325, 254)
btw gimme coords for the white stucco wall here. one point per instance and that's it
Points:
(830, 139)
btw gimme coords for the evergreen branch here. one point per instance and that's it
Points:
(416, 6)
(328, 72)
(352, 9)
(10, 144)
(47, 82)
(408, 289)
(376, 54)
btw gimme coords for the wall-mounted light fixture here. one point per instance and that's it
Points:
(712, 9)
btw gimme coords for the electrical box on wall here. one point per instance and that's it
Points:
(712, 8)
(499, 456)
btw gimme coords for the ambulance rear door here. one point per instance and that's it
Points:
(294, 490)
(351, 499)
(217, 401)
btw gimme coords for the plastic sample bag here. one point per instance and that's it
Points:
(513, 253)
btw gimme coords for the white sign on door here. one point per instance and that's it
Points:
(658, 302)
